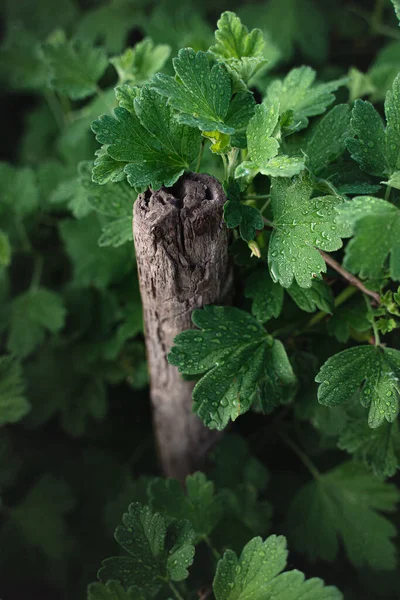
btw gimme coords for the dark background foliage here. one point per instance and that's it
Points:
(71, 466)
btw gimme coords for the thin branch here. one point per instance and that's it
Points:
(175, 591)
(202, 143)
(349, 277)
(373, 322)
(301, 454)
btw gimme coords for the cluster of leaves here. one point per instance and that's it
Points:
(306, 163)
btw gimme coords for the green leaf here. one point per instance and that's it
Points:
(110, 22)
(106, 168)
(394, 180)
(241, 51)
(21, 61)
(350, 316)
(376, 229)
(42, 17)
(237, 355)
(368, 146)
(396, 6)
(61, 382)
(40, 517)
(327, 139)
(234, 465)
(374, 371)
(5, 250)
(32, 314)
(263, 147)
(319, 295)
(376, 149)
(296, 24)
(200, 505)
(236, 213)
(157, 553)
(203, 93)
(342, 505)
(267, 295)
(301, 225)
(92, 265)
(13, 404)
(257, 574)
(138, 64)
(75, 67)
(116, 233)
(19, 192)
(112, 590)
(234, 40)
(378, 448)
(155, 148)
(114, 200)
(299, 92)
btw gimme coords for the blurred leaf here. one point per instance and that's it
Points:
(13, 404)
(33, 313)
(75, 67)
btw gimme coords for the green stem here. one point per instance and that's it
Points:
(376, 20)
(215, 552)
(348, 292)
(265, 205)
(224, 160)
(232, 159)
(387, 192)
(37, 274)
(258, 197)
(23, 236)
(302, 455)
(372, 319)
(175, 591)
(201, 151)
(268, 222)
(340, 299)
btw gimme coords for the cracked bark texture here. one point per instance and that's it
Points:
(182, 256)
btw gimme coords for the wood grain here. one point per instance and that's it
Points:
(181, 247)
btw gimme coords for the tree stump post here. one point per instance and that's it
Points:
(181, 247)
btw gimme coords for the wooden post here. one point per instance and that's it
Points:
(181, 247)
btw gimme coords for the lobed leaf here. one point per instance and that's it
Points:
(374, 371)
(238, 357)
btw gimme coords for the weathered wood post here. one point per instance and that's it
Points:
(182, 256)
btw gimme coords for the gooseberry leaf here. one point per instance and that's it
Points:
(344, 505)
(155, 148)
(376, 149)
(13, 403)
(299, 92)
(378, 448)
(112, 590)
(241, 51)
(267, 296)
(157, 553)
(319, 295)
(34, 313)
(75, 67)
(301, 225)
(376, 236)
(138, 64)
(257, 574)
(372, 371)
(238, 214)
(326, 141)
(200, 505)
(240, 360)
(263, 147)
